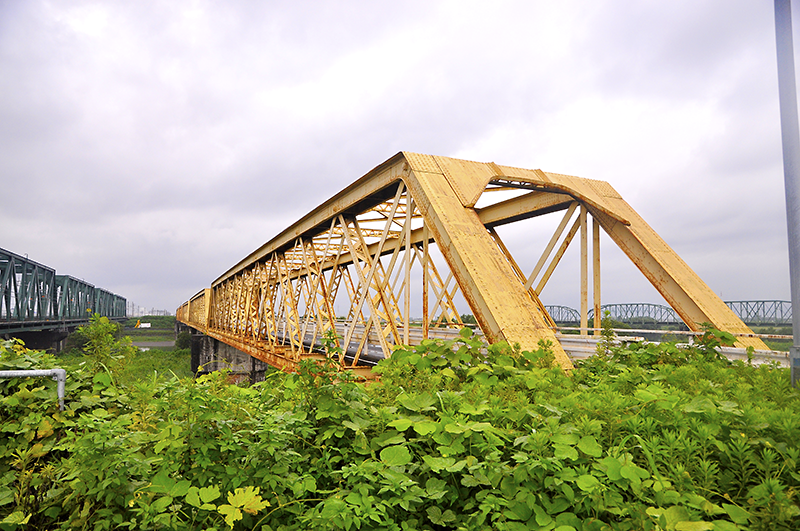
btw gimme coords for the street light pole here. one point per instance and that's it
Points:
(790, 135)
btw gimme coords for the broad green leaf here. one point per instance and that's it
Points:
(310, 484)
(209, 494)
(231, 514)
(180, 488)
(737, 514)
(644, 395)
(519, 511)
(161, 504)
(730, 407)
(470, 409)
(588, 445)
(633, 472)
(675, 514)
(162, 483)
(333, 507)
(395, 455)
(438, 463)
(388, 438)
(102, 378)
(420, 402)
(457, 467)
(565, 438)
(435, 485)
(613, 468)
(401, 424)
(17, 517)
(440, 518)
(587, 482)
(694, 526)
(193, 497)
(562, 451)
(247, 499)
(455, 428)
(724, 525)
(700, 404)
(160, 445)
(6, 495)
(542, 518)
(425, 427)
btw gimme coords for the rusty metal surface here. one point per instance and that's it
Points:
(409, 234)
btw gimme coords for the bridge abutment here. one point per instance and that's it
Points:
(210, 354)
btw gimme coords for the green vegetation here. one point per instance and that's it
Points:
(166, 322)
(184, 340)
(454, 435)
(782, 345)
(129, 363)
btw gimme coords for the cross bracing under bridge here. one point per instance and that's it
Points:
(772, 313)
(34, 297)
(423, 228)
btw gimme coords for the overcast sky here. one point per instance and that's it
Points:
(147, 147)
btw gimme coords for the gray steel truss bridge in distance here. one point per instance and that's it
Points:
(752, 313)
(33, 298)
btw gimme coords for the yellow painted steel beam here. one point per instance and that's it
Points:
(348, 200)
(523, 207)
(283, 283)
(680, 286)
(504, 311)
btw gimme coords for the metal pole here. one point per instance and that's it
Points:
(791, 164)
(59, 375)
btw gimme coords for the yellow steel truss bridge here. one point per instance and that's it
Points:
(416, 235)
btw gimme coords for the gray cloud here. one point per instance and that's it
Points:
(148, 146)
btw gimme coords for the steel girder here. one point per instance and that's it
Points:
(563, 314)
(75, 297)
(412, 227)
(763, 312)
(26, 289)
(33, 297)
(641, 312)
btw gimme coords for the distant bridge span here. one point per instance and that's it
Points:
(422, 228)
(33, 298)
(771, 313)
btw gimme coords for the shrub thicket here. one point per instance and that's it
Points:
(453, 435)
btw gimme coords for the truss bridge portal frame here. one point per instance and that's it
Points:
(373, 247)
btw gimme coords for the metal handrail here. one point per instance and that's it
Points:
(59, 375)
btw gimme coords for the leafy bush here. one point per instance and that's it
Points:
(184, 340)
(453, 435)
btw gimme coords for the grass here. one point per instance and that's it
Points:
(143, 338)
(145, 365)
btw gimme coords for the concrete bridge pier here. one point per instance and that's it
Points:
(52, 339)
(210, 354)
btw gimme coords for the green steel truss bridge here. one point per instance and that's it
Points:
(34, 298)
(763, 313)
